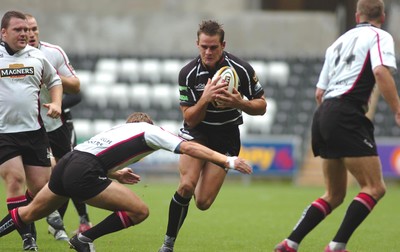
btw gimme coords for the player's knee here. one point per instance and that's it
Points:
(139, 214)
(186, 189)
(203, 204)
(378, 192)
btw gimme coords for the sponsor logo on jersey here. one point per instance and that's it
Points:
(200, 87)
(16, 71)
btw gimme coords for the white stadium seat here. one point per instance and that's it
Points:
(100, 125)
(163, 95)
(140, 95)
(170, 70)
(83, 128)
(279, 72)
(119, 95)
(129, 69)
(107, 65)
(98, 95)
(150, 70)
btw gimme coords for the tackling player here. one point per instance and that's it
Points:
(85, 173)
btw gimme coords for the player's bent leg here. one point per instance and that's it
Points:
(36, 177)
(368, 173)
(13, 174)
(128, 209)
(208, 186)
(44, 203)
(335, 177)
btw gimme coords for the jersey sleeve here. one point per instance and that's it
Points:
(64, 67)
(323, 80)
(382, 52)
(186, 94)
(158, 138)
(249, 84)
(50, 76)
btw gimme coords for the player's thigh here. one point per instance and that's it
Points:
(36, 177)
(210, 182)
(13, 173)
(117, 197)
(368, 173)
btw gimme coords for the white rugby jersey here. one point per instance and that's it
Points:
(125, 144)
(21, 76)
(59, 59)
(350, 60)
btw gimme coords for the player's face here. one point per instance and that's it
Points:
(33, 32)
(15, 35)
(210, 49)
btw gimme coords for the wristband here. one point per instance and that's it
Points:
(231, 162)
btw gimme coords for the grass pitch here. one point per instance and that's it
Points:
(246, 217)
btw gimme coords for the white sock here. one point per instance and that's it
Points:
(337, 245)
(292, 244)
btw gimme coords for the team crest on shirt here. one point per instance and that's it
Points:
(16, 71)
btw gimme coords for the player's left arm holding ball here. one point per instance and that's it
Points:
(254, 105)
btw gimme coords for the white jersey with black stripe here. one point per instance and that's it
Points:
(350, 60)
(59, 59)
(22, 75)
(125, 144)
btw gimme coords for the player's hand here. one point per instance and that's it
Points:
(211, 90)
(225, 99)
(240, 165)
(54, 111)
(126, 176)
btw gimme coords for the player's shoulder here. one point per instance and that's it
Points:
(33, 52)
(190, 65)
(51, 48)
(238, 63)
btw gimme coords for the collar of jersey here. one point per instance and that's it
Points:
(8, 48)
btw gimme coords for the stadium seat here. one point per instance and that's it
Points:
(140, 96)
(261, 70)
(119, 95)
(150, 70)
(278, 71)
(85, 77)
(164, 96)
(104, 78)
(83, 128)
(107, 65)
(129, 70)
(98, 95)
(170, 70)
(260, 124)
(100, 125)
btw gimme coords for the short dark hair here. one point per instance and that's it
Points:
(371, 9)
(211, 28)
(5, 21)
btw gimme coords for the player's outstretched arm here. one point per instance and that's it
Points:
(202, 152)
(124, 176)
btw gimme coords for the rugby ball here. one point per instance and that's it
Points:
(228, 74)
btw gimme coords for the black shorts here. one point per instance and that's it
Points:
(32, 146)
(341, 129)
(78, 175)
(225, 140)
(60, 141)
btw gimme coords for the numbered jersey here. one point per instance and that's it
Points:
(349, 62)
